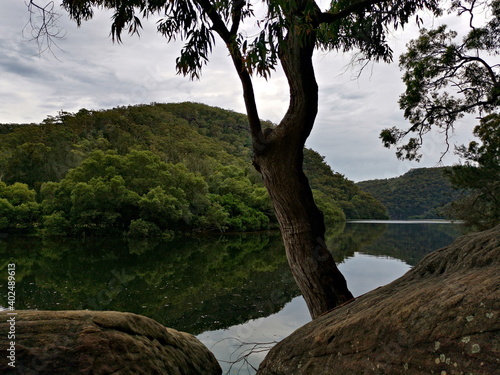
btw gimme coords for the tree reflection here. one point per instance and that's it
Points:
(191, 283)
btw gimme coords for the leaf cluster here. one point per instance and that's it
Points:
(346, 25)
(366, 27)
(18, 207)
(447, 78)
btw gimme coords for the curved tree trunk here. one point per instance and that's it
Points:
(302, 229)
(278, 156)
(279, 159)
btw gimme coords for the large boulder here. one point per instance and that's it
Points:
(99, 343)
(439, 318)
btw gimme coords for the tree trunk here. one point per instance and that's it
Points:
(302, 227)
(279, 157)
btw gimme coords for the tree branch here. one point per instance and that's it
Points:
(485, 64)
(236, 19)
(229, 37)
(47, 31)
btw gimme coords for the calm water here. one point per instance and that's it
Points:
(232, 291)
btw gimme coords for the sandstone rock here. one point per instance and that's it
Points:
(442, 317)
(99, 343)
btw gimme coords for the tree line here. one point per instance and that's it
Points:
(150, 170)
(421, 193)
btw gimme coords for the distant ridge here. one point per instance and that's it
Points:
(418, 194)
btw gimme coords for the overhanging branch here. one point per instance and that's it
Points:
(43, 25)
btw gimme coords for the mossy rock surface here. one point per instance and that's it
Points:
(101, 343)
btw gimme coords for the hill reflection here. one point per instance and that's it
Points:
(192, 284)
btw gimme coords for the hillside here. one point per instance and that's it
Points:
(418, 194)
(149, 170)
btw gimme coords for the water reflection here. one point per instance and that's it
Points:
(405, 240)
(242, 347)
(190, 284)
(370, 255)
(232, 288)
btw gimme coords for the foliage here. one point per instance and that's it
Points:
(18, 206)
(136, 193)
(151, 169)
(143, 228)
(418, 194)
(447, 79)
(345, 26)
(480, 177)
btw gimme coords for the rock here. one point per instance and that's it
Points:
(99, 343)
(442, 317)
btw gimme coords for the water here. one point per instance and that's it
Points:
(235, 292)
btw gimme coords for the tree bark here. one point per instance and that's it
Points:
(279, 159)
(302, 228)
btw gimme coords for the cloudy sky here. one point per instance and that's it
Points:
(86, 70)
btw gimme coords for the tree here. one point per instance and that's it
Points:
(288, 34)
(18, 206)
(29, 164)
(447, 79)
(480, 177)
(108, 191)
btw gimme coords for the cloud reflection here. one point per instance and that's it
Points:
(363, 273)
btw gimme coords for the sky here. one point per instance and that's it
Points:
(87, 70)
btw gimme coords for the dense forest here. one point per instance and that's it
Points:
(421, 193)
(150, 170)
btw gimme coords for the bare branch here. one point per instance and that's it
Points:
(44, 26)
(249, 349)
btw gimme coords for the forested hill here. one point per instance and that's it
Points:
(149, 170)
(418, 194)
